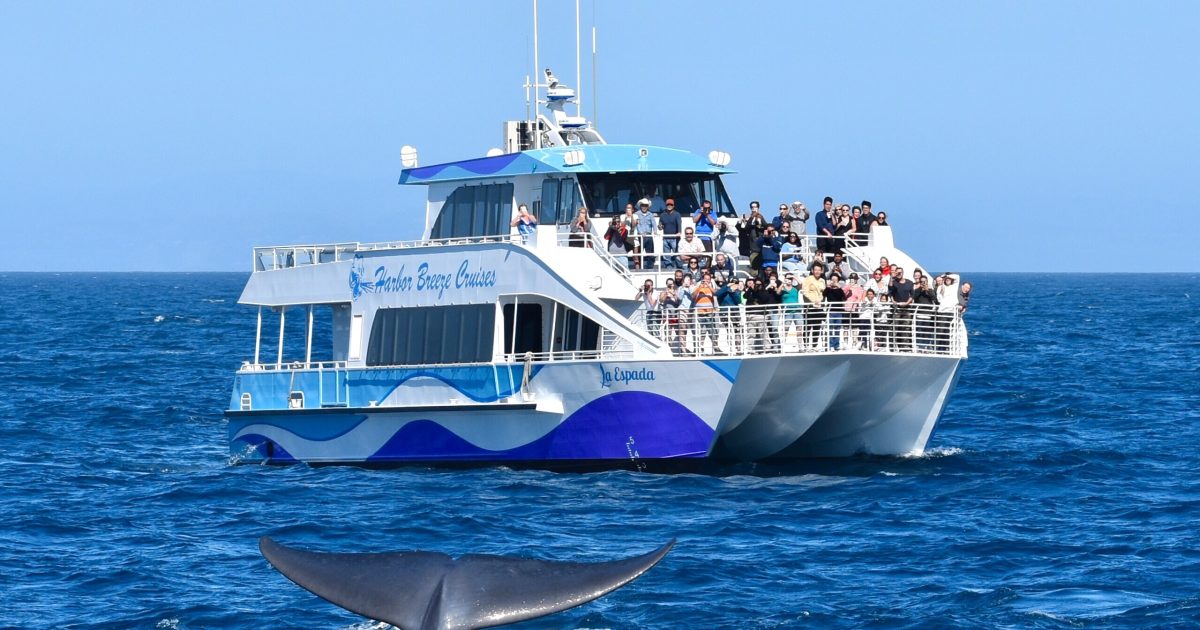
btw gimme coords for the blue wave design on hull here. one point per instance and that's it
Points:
(620, 425)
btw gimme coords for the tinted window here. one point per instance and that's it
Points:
(431, 335)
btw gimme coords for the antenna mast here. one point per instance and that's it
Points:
(578, 76)
(537, 132)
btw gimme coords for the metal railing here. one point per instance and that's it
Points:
(286, 256)
(618, 263)
(807, 328)
(641, 262)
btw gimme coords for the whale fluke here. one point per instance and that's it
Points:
(422, 590)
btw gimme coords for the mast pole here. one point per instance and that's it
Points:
(537, 132)
(578, 75)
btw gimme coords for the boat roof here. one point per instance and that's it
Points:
(597, 158)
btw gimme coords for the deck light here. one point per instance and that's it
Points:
(719, 158)
(574, 157)
(408, 156)
(493, 152)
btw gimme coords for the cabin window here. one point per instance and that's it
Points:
(430, 335)
(525, 334)
(475, 211)
(607, 194)
(560, 201)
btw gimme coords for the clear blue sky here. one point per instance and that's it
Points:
(1000, 136)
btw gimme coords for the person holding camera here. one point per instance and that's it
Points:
(750, 228)
(705, 224)
(616, 236)
(650, 298)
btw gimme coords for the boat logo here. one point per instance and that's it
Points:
(425, 280)
(621, 375)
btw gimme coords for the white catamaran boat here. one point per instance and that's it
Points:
(482, 342)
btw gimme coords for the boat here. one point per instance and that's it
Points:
(484, 342)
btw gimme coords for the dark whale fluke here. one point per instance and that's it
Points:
(421, 590)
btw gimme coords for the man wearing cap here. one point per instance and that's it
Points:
(645, 235)
(671, 225)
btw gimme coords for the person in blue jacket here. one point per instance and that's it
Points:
(770, 244)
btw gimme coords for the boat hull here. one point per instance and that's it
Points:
(836, 404)
(618, 412)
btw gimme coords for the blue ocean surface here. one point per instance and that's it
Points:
(1061, 489)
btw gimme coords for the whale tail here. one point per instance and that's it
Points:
(421, 590)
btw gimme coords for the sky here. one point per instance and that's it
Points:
(998, 135)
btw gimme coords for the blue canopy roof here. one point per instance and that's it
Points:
(597, 158)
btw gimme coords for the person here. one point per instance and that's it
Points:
(842, 227)
(839, 265)
(525, 223)
(880, 221)
(768, 245)
(813, 290)
(729, 302)
(691, 249)
(790, 254)
(728, 240)
(834, 298)
(693, 269)
(924, 301)
(671, 225)
(878, 282)
(722, 269)
(650, 298)
(784, 217)
(886, 267)
(770, 298)
(901, 293)
(793, 317)
(947, 308)
(885, 323)
(855, 294)
(581, 229)
(753, 226)
(799, 218)
(705, 223)
(629, 222)
(645, 237)
(684, 291)
(865, 221)
(825, 240)
(858, 230)
(865, 319)
(704, 302)
(749, 228)
(964, 296)
(617, 238)
(668, 302)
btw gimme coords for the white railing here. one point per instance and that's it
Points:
(642, 263)
(805, 328)
(249, 366)
(286, 256)
(598, 245)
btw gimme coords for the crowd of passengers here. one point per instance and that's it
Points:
(809, 292)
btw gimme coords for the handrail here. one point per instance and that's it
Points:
(598, 245)
(272, 257)
(808, 328)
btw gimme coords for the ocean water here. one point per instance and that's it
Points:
(1061, 490)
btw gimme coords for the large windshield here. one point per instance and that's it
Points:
(607, 193)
